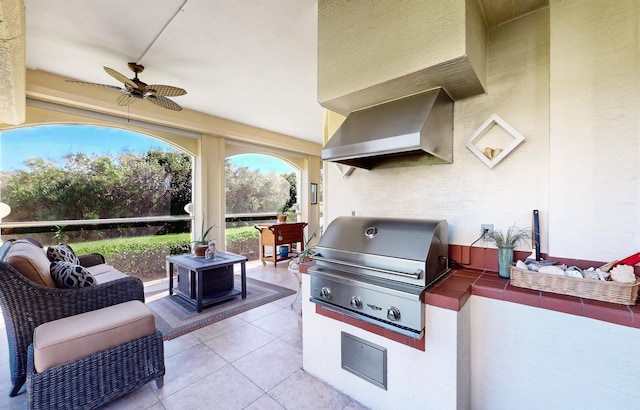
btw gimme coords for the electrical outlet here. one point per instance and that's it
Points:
(486, 228)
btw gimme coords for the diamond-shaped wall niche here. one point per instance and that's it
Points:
(491, 144)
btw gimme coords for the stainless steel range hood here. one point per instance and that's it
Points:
(415, 129)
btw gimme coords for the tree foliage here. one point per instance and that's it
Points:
(91, 187)
(293, 197)
(249, 191)
(156, 183)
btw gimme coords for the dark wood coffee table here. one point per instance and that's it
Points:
(204, 282)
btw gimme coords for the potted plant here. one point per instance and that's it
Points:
(307, 251)
(506, 243)
(294, 264)
(200, 246)
(282, 213)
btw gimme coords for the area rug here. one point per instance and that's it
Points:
(174, 318)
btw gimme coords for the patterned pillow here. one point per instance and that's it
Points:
(69, 275)
(62, 253)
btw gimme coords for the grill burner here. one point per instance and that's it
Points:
(377, 269)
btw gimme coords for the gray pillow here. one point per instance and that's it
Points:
(62, 253)
(69, 275)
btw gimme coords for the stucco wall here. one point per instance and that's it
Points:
(467, 192)
(594, 172)
(566, 77)
(530, 358)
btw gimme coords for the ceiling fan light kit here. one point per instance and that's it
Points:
(135, 89)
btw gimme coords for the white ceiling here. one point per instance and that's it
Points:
(251, 61)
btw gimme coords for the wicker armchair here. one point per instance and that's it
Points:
(26, 305)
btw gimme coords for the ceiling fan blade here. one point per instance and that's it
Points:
(120, 77)
(164, 102)
(165, 90)
(113, 87)
(125, 99)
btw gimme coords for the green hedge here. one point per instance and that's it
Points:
(243, 241)
(144, 257)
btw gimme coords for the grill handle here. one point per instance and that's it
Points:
(416, 275)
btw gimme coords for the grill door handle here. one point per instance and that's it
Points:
(415, 275)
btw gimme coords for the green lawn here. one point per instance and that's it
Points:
(144, 256)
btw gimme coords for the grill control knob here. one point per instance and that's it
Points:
(356, 302)
(325, 293)
(393, 313)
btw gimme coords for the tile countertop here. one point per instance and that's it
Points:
(454, 291)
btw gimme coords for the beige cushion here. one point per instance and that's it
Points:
(31, 261)
(65, 340)
(104, 273)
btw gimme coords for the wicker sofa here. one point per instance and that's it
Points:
(27, 304)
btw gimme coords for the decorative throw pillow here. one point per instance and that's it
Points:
(69, 275)
(31, 261)
(34, 241)
(62, 253)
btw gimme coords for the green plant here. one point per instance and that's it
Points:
(513, 236)
(60, 235)
(308, 250)
(203, 237)
(243, 241)
(284, 209)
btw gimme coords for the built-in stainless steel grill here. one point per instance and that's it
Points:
(377, 269)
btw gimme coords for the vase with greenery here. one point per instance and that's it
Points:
(505, 244)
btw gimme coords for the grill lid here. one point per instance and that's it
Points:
(415, 248)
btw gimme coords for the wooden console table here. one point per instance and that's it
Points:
(273, 235)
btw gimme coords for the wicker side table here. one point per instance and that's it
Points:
(203, 282)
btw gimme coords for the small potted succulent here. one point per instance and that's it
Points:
(282, 213)
(304, 256)
(505, 244)
(200, 246)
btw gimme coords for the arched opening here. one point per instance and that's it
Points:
(207, 153)
(101, 189)
(259, 187)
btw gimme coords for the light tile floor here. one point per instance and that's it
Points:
(249, 361)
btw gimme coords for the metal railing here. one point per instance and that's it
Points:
(95, 222)
(112, 223)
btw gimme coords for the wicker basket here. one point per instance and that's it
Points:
(606, 291)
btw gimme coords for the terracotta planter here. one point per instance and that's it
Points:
(282, 218)
(199, 250)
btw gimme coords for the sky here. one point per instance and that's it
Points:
(52, 142)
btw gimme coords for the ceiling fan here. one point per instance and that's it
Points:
(136, 89)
